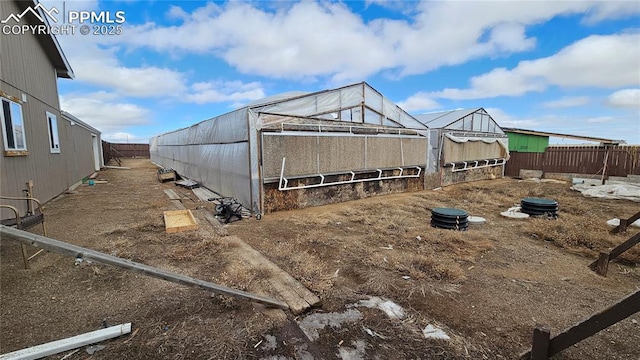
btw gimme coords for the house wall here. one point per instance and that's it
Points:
(79, 152)
(26, 66)
(25, 69)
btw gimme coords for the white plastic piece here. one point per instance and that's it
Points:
(476, 220)
(432, 332)
(55, 347)
(514, 215)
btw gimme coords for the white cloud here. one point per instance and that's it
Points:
(95, 61)
(497, 82)
(95, 64)
(600, 119)
(566, 102)
(177, 13)
(309, 39)
(149, 81)
(618, 127)
(220, 91)
(508, 121)
(585, 63)
(612, 9)
(124, 137)
(103, 111)
(418, 102)
(625, 98)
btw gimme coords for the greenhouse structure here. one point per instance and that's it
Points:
(302, 149)
(464, 145)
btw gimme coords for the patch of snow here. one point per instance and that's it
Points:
(318, 321)
(347, 353)
(393, 310)
(432, 332)
(270, 343)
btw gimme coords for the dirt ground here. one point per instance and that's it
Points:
(486, 287)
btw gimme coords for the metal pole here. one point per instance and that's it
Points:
(102, 258)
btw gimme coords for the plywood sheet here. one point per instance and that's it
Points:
(179, 220)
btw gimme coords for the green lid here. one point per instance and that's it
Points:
(449, 212)
(539, 201)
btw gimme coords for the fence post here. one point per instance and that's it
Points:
(603, 263)
(623, 226)
(540, 346)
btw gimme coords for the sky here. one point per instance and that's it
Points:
(558, 66)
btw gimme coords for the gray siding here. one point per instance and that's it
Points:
(25, 65)
(47, 170)
(26, 69)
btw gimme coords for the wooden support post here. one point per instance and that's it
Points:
(25, 256)
(78, 252)
(604, 166)
(582, 330)
(540, 347)
(603, 263)
(600, 321)
(611, 255)
(623, 225)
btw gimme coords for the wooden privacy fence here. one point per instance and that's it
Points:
(621, 160)
(116, 150)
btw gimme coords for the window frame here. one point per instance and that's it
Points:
(12, 151)
(54, 137)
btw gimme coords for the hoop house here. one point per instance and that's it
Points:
(301, 149)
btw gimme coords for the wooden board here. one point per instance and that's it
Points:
(218, 228)
(172, 194)
(179, 220)
(296, 295)
(177, 204)
(204, 194)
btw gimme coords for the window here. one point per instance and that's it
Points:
(13, 128)
(54, 141)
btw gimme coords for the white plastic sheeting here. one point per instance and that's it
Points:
(610, 191)
(214, 152)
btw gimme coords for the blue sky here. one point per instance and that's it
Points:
(560, 66)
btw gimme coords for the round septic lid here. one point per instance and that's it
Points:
(476, 220)
(540, 201)
(449, 212)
